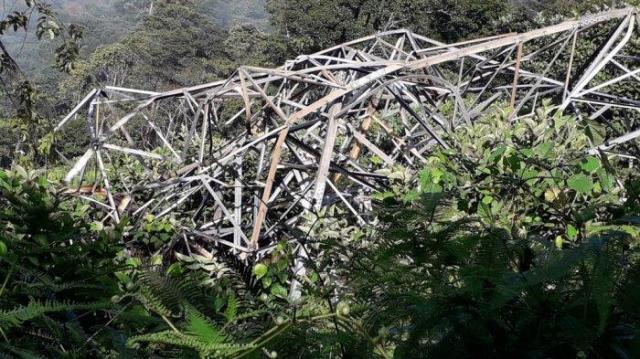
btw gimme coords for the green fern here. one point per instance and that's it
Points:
(232, 308)
(167, 295)
(206, 349)
(182, 304)
(198, 326)
(153, 302)
(15, 317)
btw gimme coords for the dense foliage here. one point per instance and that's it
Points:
(155, 54)
(57, 275)
(515, 243)
(312, 25)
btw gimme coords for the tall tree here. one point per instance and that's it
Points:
(310, 25)
(19, 93)
(174, 46)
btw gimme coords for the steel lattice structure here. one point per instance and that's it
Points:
(246, 158)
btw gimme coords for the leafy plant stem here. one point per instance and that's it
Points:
(6, 279)
(170, 324)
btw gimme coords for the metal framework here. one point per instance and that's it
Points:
(247, 158)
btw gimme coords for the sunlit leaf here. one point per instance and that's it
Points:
(580, 183)
(260, 270)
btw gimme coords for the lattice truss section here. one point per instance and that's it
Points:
(246, 159)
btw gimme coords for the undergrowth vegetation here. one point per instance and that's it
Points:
(514, 242)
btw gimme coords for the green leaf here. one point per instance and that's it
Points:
(530, 175)
(432, 188)
(484, 210)
(282, 263)
(279, 291)
(134, 262)
(175, 269)
(3, 249)
(425, 178)
(590, 164)
(260, 270)
(544, 149)
(313, 277)
(596, 132)
(496, 154)
(266, 282)
(282, 277)
(411, 196)
(381, 196)
(513, 162)
(526, 152)
(232, 308)
(559, 242)
(376, 160)
(580, 183)
(572, 232)
(122, 277)
(96, 226)
(14, 317)
(606, 181)
(200, 327)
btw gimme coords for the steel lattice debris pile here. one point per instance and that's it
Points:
(248, 157)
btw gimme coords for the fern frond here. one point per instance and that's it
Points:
(231, 311)
(153, 302)
(167, 295)
(15, 317)
(200, 327)
(210, 350)
(35, 289)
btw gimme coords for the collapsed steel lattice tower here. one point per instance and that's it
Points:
(246, 158)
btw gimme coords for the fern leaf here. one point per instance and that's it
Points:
(199, 327)
(153, 302)
(232, 308)
(15, 317)
(168, 337)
